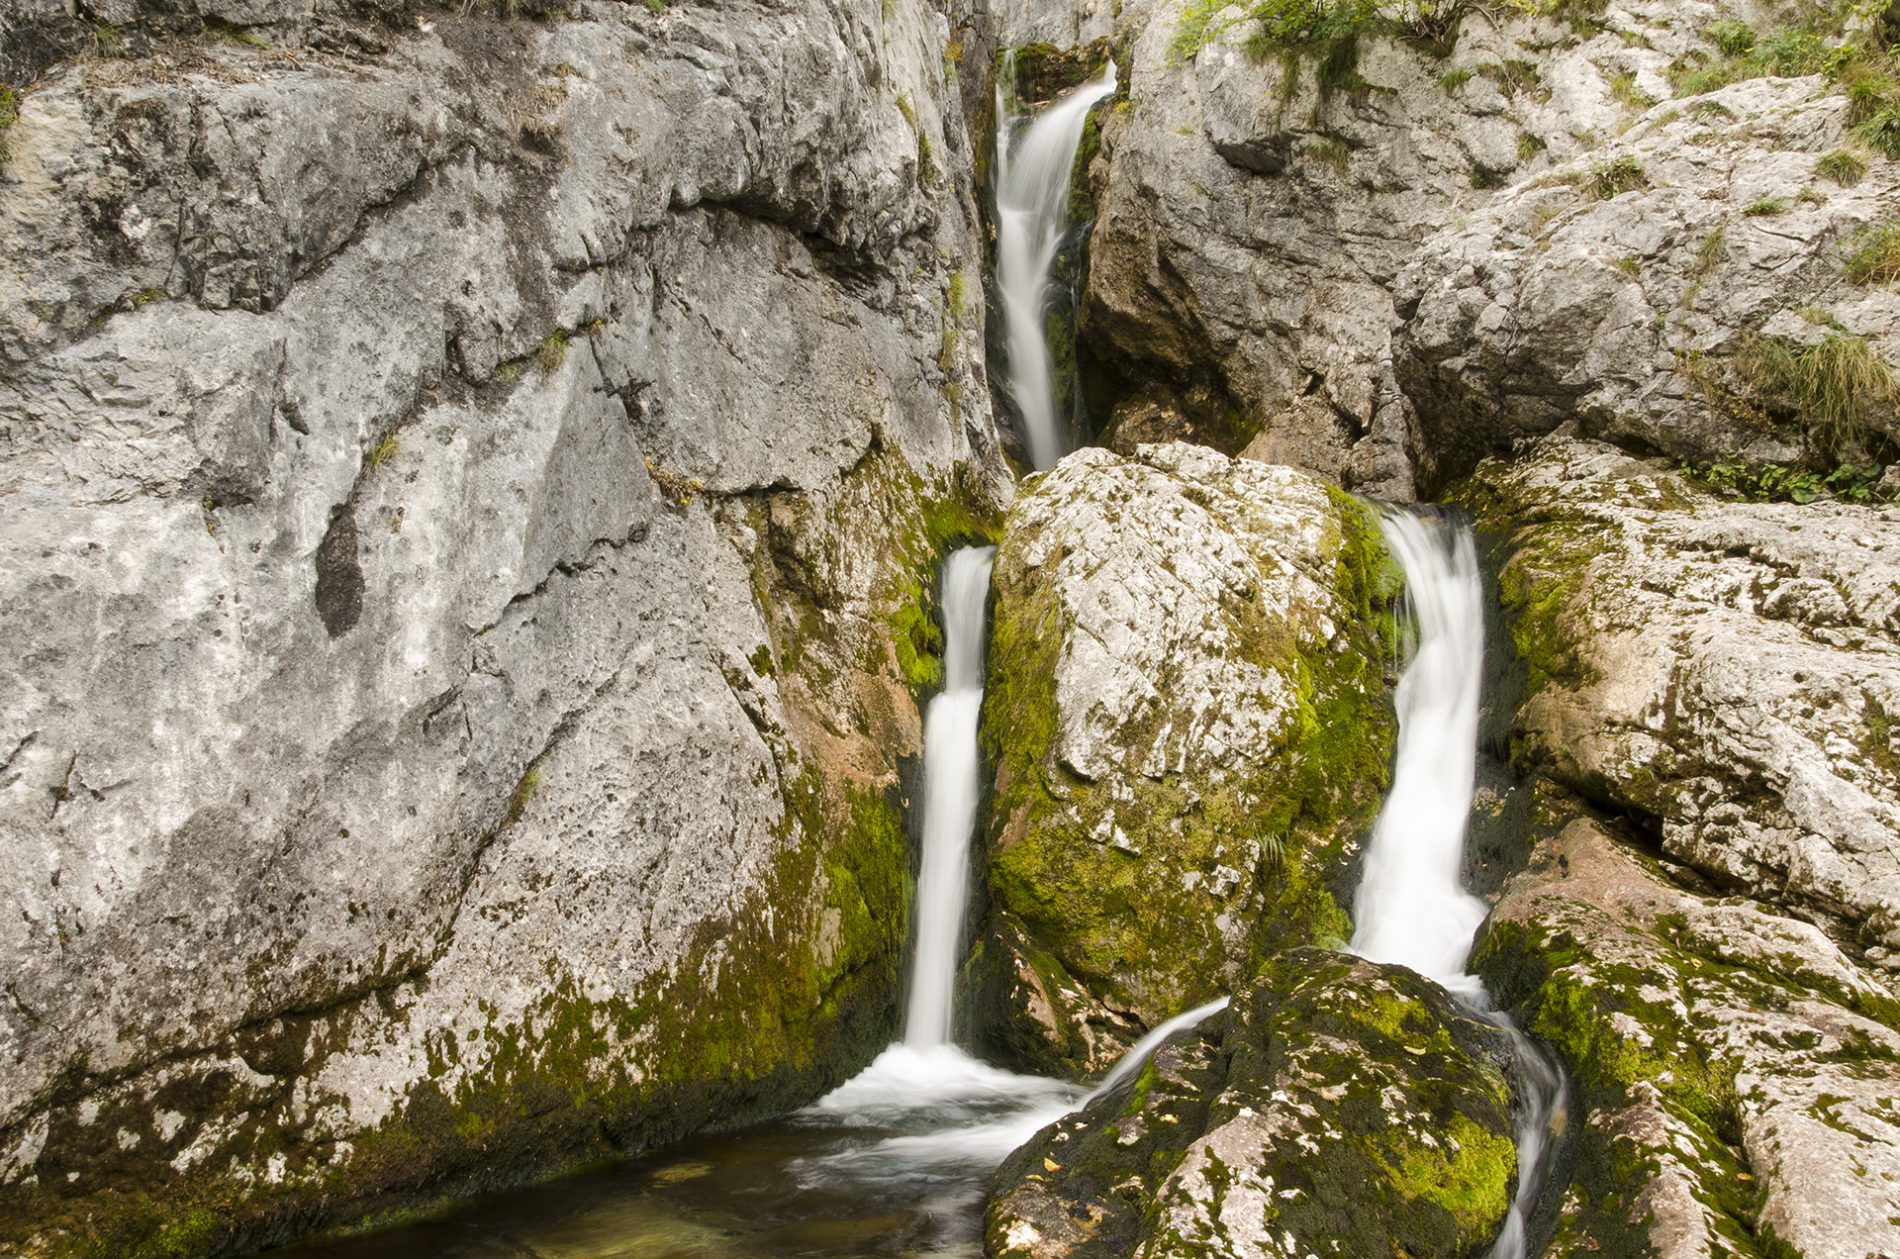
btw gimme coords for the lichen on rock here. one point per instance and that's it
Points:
(1338, 1106)
(1188, 717)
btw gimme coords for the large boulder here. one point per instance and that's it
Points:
(1705, 931)
(1189, 717)
(1684, 291)
(1338, 1107)
(470, 502)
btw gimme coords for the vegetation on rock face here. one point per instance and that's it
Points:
(1876, 254)
(1119, 881)
(1404, 1092)
(1832, 385)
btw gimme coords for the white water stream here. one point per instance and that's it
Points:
(1412, 906)
(1033, 164)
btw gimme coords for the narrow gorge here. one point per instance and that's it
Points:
(1051, 629)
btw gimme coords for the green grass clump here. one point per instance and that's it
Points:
(1709, 254)
(1452, 80)
(1623, 91)
(9, 114)
(1617, 176)
(1841, 167)
(1832, 384)
(1786, 52)
(1762, 207)
(552, 352)
(1876, 256)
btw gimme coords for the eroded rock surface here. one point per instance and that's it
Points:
(1338, 1107)
(1628, 294)
(1256, 209)
(468, 499)
(1705, 929)
(1189, 718)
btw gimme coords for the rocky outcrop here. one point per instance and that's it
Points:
(1337, 1107)
(1709, 684)
(1684, 291)
(1188, 713)
(1257, 205)
(1722, 672)
(470, 497)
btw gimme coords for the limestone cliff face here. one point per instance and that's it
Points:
(470, 492)
(1255, 208)
(1706, 928)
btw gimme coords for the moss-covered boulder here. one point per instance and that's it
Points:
(1338, 1107)
(1189, 720)
(1708, 684)
(1736, 1071)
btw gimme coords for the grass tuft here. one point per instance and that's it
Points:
(1617, 176)
(1841, 167)
(1876, 256)
(1832, 384)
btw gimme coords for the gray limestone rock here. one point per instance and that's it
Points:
(458, 503)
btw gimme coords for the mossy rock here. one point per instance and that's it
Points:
(1045, 71)
(1337, 1107)
(1190, 722)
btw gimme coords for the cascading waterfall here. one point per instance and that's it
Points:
(951, 789)
(1412, 907)
(1032, 201)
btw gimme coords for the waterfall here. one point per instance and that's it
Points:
(1032, 201)
(953, 1117)
(951, 790)
(1412, 907)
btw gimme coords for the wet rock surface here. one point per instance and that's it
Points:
(1189, 718)
(1337, 1107)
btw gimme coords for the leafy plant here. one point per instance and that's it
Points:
(1774, 482)
(1876, 256)
(1787, 51)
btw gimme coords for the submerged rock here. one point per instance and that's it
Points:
(1339, 1107)
(1706, 929)
(1189, 719)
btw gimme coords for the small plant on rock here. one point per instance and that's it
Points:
(1876, 256)
(1841, 167)
(1617, 176)
(1764, 207)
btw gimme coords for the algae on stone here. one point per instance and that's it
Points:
(1189, 721)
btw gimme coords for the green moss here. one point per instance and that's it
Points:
(1469, 1173)
(1124, 885)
